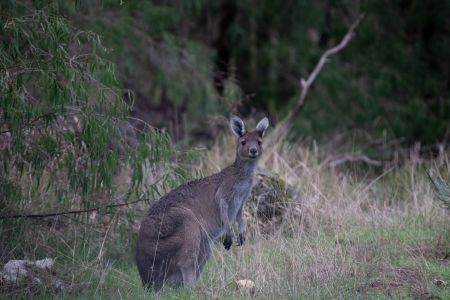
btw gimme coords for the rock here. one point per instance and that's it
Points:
(46, 263)
(26, 273)
(440, 283)
(14, 270)
(246, 286)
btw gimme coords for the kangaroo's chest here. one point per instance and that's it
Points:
(238, 194)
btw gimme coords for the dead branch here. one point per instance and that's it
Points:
(288, 121)
(70, 212)
(353, 158)
(441, 188)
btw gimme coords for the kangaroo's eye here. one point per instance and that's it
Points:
(259, 143)
(243, 143)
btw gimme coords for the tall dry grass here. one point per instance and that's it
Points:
(348, 232)
(351, 236)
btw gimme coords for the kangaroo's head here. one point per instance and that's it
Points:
(249, 144)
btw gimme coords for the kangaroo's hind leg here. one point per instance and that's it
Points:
(174, 279)
(189, 253)
(189, 276)
(204, 255)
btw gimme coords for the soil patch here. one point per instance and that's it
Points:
(395, 280)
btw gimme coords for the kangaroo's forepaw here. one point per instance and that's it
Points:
(227, 242)
(242, 239)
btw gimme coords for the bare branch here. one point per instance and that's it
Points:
(288, 121)
(354, 158)
(71, 212)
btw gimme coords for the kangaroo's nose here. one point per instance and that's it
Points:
(253, 151)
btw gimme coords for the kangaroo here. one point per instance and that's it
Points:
(178, 231)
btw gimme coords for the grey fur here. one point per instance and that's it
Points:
(262, 126)
(177, 233)
(237, 126)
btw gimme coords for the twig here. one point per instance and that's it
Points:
(71, 212)
(441, 188)
(354, 158)
(32, 122)
(46, 215)
(288, 121)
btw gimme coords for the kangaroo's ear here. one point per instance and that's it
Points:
(262, 126)
(237, 126)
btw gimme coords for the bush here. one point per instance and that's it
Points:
(63, 121)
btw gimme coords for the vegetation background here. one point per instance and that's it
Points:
(106, 103)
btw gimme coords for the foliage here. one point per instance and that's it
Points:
(166, 69)
(63, 119)
(442, 189)
(391, 80)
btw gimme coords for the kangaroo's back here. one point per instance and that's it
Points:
(167, 226)
(176, 234)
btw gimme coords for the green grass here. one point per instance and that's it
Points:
(308, 266)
